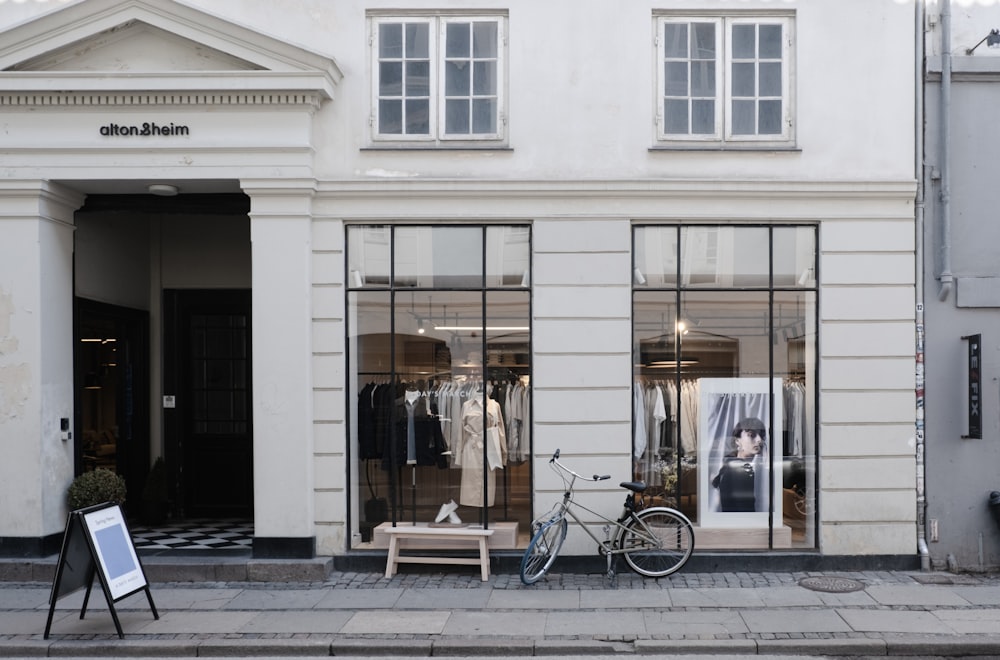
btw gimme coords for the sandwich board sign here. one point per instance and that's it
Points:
(97, 542)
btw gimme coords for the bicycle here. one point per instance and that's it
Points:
(655, 541)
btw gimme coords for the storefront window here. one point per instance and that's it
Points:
(439, 346)
(724, 325)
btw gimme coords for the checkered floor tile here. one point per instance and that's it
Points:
(194, 535)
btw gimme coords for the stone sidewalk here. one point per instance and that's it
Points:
(424, 613)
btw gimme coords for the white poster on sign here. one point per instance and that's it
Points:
(116, 556)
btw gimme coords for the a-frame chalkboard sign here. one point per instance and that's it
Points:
(97, 541)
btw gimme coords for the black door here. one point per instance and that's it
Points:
(112, 393)
(209, 429)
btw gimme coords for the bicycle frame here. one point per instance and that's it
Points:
(568, 504)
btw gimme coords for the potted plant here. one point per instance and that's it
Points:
(154, 494)
(96, 487)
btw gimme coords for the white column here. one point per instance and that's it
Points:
(36, 361)
(280, 234)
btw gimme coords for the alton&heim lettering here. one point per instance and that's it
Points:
(145, 129)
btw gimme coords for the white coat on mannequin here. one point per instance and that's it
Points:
(470, 453)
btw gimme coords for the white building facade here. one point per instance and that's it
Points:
(617, 230)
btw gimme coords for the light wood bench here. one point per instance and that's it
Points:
(398, 535)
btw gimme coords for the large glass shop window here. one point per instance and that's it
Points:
(724, 340)
(440, 375)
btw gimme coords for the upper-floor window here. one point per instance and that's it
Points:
(724, 79)
(438, 78)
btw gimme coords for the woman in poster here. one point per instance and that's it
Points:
(737, 478)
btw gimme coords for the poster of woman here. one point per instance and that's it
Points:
(736, 452)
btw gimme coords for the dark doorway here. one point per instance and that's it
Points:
(209, 431)
(112, 393)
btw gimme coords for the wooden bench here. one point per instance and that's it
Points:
(398, 535)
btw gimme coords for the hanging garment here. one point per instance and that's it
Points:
(416, 437)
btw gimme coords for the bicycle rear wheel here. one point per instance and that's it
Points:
(543, 549)
(657, 542)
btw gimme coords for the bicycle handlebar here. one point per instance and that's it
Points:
(596, 477)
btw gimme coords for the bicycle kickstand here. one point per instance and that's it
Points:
(612, 574)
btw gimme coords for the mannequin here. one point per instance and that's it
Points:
(470, 454)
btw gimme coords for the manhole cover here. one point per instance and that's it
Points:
(834, 585)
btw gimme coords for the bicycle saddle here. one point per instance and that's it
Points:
(634, 486)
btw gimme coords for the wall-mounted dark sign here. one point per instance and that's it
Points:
(975, 344)
(145, 129)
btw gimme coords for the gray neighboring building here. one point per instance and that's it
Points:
(961, 282)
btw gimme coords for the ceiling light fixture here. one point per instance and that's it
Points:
(162, 189)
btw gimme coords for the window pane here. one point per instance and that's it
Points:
(703, 79)
(749, 252)
(725, 256)
(676, 79)
(368, 265)
(458, 41)
(770, 41)
(456, 116)
(457, 77)
(484, 78)
(417, 117)
(675, 36)
(390, 117)
(446, 257)
(484, 115)
(744, 79)
(508, 257)
(744, 41)
(417, 40)
(703, 46)
(675, 116)
(484, 39)
(418, 78)
(703, 117)
(390, 40)
(743, 118)
(770, 79)
(770, 122)
(794, 256)
(655, 257)
(390, 78)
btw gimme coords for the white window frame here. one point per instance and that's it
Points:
(723, 131)
(437, 31)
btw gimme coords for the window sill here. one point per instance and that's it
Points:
(755, 148)
(428, 147)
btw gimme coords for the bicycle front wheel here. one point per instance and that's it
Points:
(542, 550)
(657, 542)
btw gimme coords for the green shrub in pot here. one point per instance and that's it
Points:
(96, 487)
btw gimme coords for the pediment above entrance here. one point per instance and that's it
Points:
(158, 52)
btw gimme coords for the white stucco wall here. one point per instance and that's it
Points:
(580, 168)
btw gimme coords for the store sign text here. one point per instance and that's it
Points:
(145, 129)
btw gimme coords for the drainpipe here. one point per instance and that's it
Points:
(918, 167)
(943, 149)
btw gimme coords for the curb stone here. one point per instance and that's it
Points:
(123, 647)
(382, 647)
(557, 647)
(695, 646)
(483, 647)
(828, 646)
(240, 648)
